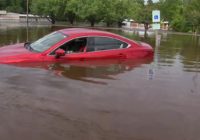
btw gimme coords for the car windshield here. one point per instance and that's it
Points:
(47, 41)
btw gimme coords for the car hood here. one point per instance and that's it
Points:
(15, 53)
(13, 50)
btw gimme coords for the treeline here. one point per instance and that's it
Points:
(183, 15)
(18, 6)
(94, 11)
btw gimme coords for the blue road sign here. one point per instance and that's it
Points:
(156, 16)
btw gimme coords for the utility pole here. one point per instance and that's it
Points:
(27, 7)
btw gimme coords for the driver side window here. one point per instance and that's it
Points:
(77, 45)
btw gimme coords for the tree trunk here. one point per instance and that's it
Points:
(108, 24)
(52, 17)
(146, 27)
(71, 20)
(53, 21)
(71, 17)
(198, 29)
(119, 23)
(92, 22)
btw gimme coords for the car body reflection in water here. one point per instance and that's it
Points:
(92, 71)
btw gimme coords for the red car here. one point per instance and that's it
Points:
(75, 44)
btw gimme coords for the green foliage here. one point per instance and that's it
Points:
(2, 4)
(44, 7)
(91, 11)
(121, 10)
(145, 12)
(179, 24)
(193, 14)
(118, 10)
(173, 12)
(52, 9)
(72, 9)
(108, 12)
(170, 8)
(150, 2)
(18, 6)
(184, 15)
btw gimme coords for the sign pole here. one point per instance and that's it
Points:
(156, 27)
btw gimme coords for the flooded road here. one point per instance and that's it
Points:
(133, 100)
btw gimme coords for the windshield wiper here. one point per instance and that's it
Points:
(27, 45)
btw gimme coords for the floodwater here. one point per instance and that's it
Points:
(155, 99)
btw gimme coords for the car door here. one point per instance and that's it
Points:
(74, 50)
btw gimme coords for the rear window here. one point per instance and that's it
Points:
(104, 43)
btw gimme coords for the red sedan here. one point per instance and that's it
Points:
(75, 44)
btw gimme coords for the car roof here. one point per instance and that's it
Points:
(76, 31)
(85, 32)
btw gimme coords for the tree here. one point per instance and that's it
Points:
(122, 10)
(91, 11)
(46, 8)
(3, 4)
(13, 5)
(73, 10)
(170, 8)
(193, 14)
(108, 11)
(60, 12)
(174, 12)
(145, 14)
(150, 2)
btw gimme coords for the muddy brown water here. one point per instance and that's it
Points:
(141, 100)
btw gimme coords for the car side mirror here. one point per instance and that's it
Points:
(59, 53)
